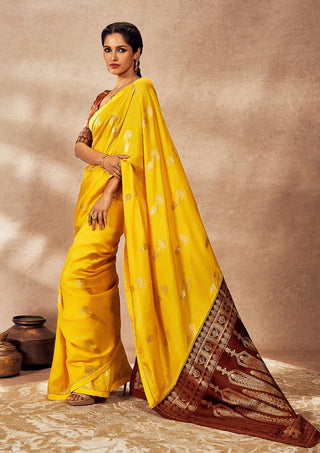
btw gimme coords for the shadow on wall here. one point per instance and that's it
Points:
(244, 89)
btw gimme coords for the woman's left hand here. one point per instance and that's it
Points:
(98, 213)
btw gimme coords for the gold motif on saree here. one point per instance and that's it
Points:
(245, 359)
(179, 194)
(81, 283)
(148, 111)
(234, 398)
(237, 377)
(90, 346)
(149, 339)
(160, 246)
(158, 201)
(90, 369)
(271, 399)
(264, 377)
(93, 256)
(188, 283)
(140, 282)
(114, 118)
(163, 289)
(87, 312)
(127, 135)
(219, 410)
(184, 239)
(246, 341)
(170, 160)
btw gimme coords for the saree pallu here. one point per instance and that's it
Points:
(195, 360)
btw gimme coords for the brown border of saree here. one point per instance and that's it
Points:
(225, 384)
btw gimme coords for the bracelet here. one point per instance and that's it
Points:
(101, 162)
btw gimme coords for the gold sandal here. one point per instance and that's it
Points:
(82, 400)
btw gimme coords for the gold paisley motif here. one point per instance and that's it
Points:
(89, 345)
(154, 153)
(148, 111)
(113, 119)
(184, 239)
(81, 283)
(245, 359)
(93, 256)
(246, 341)
(238, 399)
(140, 282)
(149, 339)
(127, 135)
(242, 379)
(271, 399)
(163, 289)
(87, 312)
(127, 197)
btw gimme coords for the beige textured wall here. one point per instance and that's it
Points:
(239, 85)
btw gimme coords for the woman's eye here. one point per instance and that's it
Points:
(107, 50)
(122, 50)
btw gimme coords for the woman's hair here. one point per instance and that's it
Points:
(130, 34)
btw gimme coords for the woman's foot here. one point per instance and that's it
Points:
(80, 399)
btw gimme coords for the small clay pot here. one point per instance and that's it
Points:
(10, 358)
(33, 340)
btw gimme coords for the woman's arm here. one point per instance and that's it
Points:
(93, 157)
(98, 213)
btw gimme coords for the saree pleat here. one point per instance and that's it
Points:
(195, 361)
(89, 356)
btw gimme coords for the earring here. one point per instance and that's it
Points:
(136, 65)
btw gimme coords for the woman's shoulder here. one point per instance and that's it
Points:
(144, 84)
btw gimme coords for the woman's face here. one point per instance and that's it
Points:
(119, 56)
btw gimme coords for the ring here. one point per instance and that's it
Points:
(119, 164)
(94, 216)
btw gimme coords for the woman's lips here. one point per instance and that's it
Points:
(113, 66)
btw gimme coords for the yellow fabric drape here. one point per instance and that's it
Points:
(89, 356)
(171, 273)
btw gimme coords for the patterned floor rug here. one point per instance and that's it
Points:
(30, 423)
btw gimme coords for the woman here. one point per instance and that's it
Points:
(195, 360)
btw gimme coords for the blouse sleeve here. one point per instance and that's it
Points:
(85, 135)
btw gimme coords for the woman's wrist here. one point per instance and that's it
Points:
(101, 161)
(112, 187)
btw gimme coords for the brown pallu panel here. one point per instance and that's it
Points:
(225, 384)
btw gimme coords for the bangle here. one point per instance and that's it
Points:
(101, 162)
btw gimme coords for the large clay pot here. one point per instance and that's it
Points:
(10, 358)
(33, 340)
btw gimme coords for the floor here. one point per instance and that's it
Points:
(30, 423)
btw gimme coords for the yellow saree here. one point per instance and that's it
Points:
(195, 360)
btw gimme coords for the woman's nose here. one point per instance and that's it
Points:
(114, 55)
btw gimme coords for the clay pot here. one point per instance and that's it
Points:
(33, 340)
(10, 358)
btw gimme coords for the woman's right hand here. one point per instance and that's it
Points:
(112, 164)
